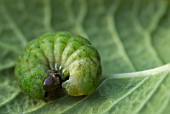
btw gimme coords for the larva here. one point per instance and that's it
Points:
(58, 61)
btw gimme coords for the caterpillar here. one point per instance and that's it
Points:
(57, 62)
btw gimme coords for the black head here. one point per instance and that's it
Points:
(52, 84)
(49, 83)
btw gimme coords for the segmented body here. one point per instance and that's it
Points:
(72, 56)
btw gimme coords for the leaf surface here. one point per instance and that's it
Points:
(132, 37)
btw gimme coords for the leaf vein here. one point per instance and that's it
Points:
(149, 96)
(48, 15)
(14, 26)
(147, 33)
(113, 31)
(127, 94)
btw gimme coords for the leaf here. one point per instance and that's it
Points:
(131, 36)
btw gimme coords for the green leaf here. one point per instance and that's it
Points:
(131, 36)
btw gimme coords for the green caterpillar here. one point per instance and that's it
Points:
(55, 62)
